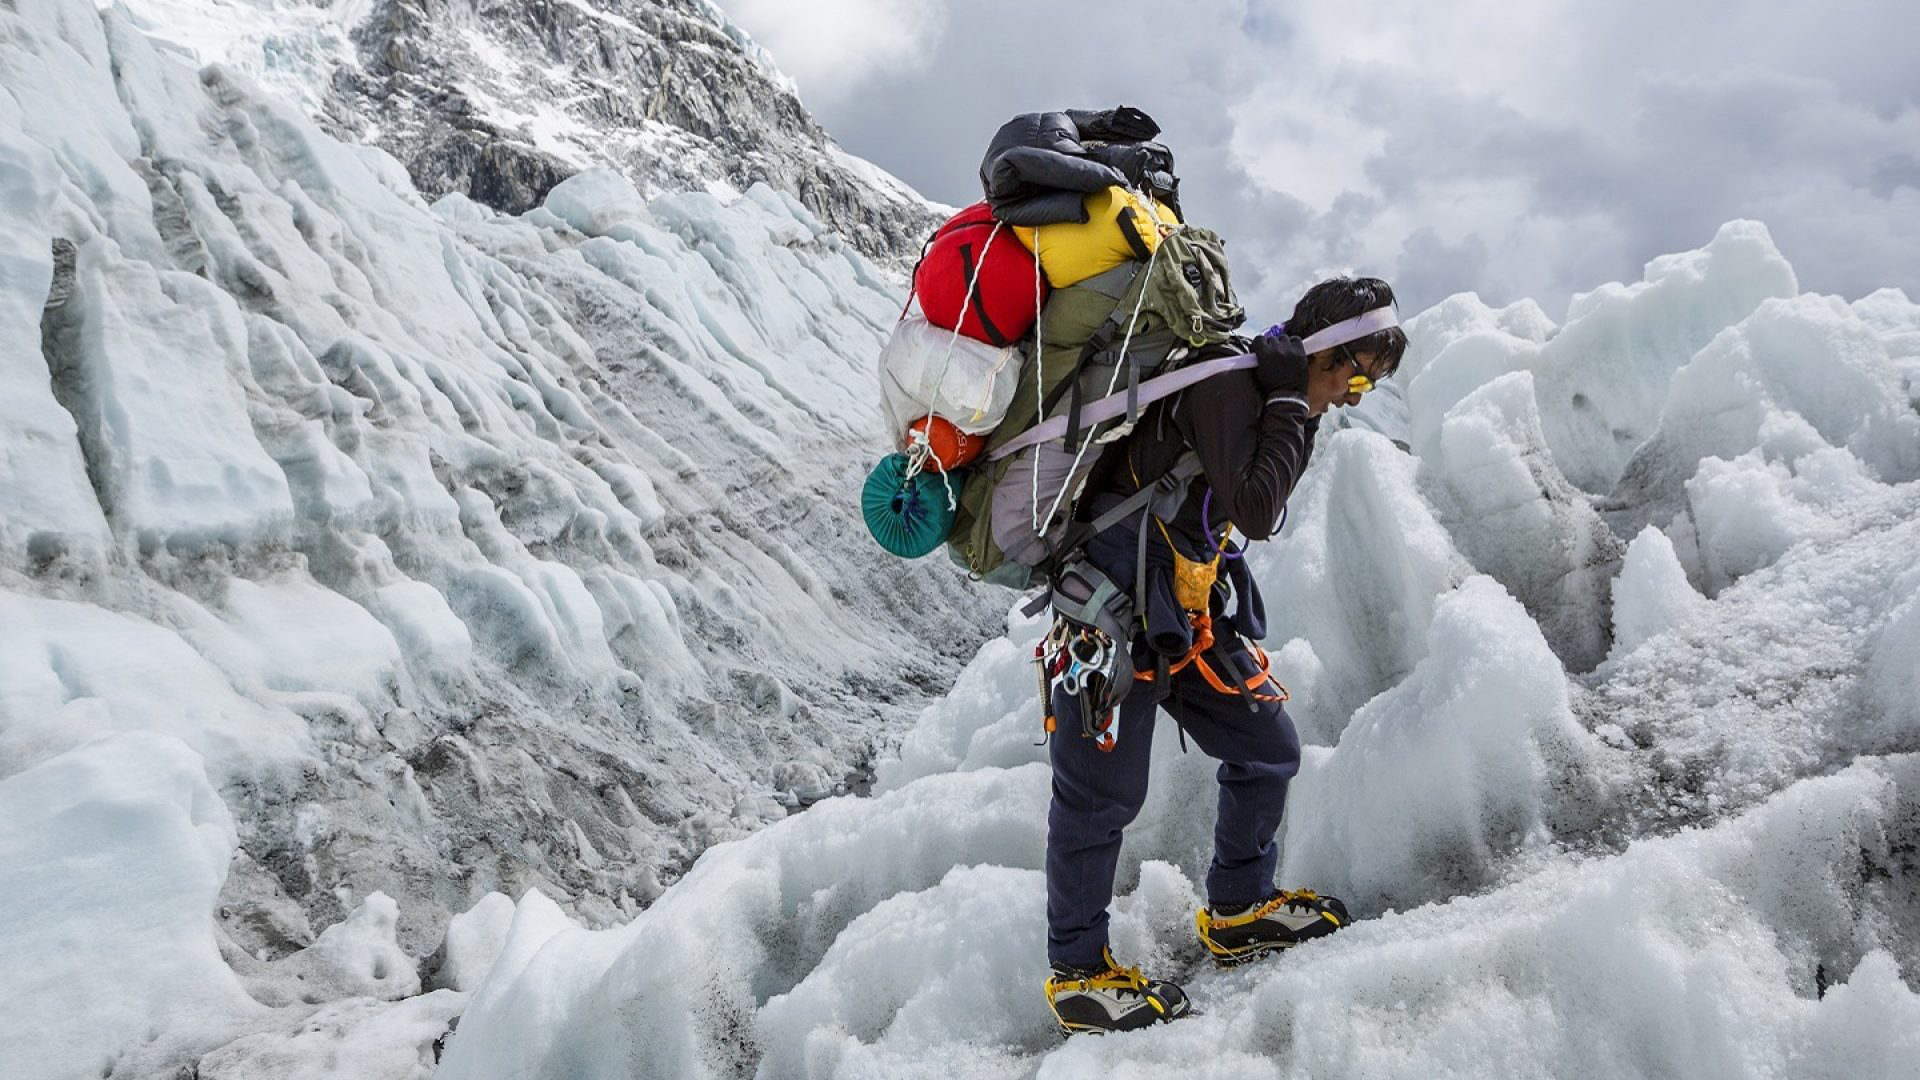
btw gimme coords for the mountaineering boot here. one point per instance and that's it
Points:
(1107, 997)
(1235, 936)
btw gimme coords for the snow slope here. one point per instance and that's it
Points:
(459, 553)
(1605, 808)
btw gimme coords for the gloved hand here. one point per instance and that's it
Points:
(1282, 367)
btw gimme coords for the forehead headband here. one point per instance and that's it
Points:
(1350, 330)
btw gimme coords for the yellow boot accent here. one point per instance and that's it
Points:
(1206, 921)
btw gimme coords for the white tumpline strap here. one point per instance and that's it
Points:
(1340, 333)
(1112, 406)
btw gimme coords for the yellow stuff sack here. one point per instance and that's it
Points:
(1118, 227)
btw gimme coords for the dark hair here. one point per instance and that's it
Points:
(1342, 298)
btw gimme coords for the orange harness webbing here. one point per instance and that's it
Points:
(1195, 656)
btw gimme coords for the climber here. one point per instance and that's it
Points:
(1252, 431)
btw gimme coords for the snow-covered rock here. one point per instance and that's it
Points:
(499, 103)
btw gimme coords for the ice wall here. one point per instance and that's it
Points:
(466, 552)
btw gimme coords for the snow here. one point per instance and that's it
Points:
(1464, 762)
(109, 868)
(1651, 595)
(354, 1038)
(291, 46)
(411, 614)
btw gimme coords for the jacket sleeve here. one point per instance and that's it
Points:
(1251, 451)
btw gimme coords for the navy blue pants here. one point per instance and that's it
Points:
(1096, 795)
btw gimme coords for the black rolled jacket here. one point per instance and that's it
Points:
(1040, 166)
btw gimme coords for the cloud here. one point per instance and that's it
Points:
(831, 48)
(1534, 149)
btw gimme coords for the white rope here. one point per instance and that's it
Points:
(1112, 381)
(1039, 355)
(919, 452)
(953, 339)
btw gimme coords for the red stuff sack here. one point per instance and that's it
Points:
(967, 251)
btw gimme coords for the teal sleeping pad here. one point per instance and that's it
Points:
(909, 517)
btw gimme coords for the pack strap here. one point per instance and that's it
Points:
(994, 337)
(1130, 230)
(1129, 403)
(1101, 341)
(1116, 405)
(1184, 470)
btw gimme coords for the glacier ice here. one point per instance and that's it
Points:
(1473, 757)
(400, 597)
(112, 859)
(1651, 595)
(469, 552)
(1508, 507)
(1693, 858)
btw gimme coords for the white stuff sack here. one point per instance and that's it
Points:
(925, 369)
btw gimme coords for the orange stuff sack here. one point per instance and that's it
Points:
(951, 447)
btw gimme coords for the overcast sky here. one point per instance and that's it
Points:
(1534, 148)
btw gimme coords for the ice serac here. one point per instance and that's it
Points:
(1695, 858)
(501, 102)
(1796, 378)
(1497, 490)
(1475, 757)
(1651, 595)
(1356, 573)
(51, 509)
(674, 993)
(1601, 378)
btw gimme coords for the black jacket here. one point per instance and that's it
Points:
(1252, 452)
(1040, 166)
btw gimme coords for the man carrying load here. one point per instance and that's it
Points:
(1252, 432)
(1075, 411)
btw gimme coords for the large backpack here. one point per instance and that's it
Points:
(1099, 338)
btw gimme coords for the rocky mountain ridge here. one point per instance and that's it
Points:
(500, 101)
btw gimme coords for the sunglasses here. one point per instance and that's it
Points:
(1360, 383)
